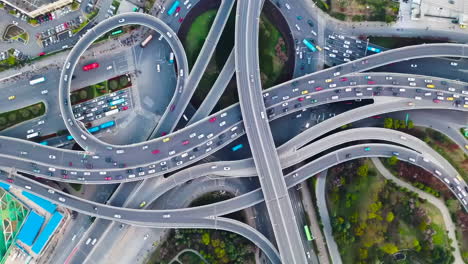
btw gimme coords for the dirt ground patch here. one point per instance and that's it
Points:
(364, 10)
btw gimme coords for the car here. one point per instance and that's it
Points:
(414, 65)
(177, 9)
(156, 151)
(430, 86)
(181, 20)
(213, 119)
(117, 216)
(167, 216)
(227, 168)
(42, 54)
(343, 79)
(52, 157)
(108, 178)
(318, 88)
(166, 139)
(142, 204)
(12, 97)
(121, 20)
(185, 142)
(44, 92)
(61, 199)
(436, 101)
(328, 80)
(91, 66)
(453, 63)
(370, 82)
(10, 180)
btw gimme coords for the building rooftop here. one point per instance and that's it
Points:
(30, 5)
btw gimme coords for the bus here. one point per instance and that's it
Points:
(94, 129)
(112, 112)
(307, 232)
(376, 50)
(171, 57)
(33, 135)
(237, 147)
(173, 8)
(37, 80)
(309, 45)
(116, 102)
(146, 41)
(107, 124)
(45, 143)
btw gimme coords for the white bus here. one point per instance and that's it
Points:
(37, 80)
(33, 135)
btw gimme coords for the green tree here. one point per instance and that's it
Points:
(396, 124)
(388, 122)
(3, 121)
(11, 60)
(75, 5)
(392, 160)
(113, 84)
(12, 117)
(410, 124)
(390, 217)
(389, 248)
(363, 170)
(206, 238)
(123, 81)
(2, 5)
(83, 94)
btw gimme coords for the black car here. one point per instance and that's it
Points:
(129, 171)
(310, 23)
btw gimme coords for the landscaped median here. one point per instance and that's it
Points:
(102, 88)
(88, 18)
(15, 117)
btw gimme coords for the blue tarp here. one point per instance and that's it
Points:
(48, 206)
(30, 228)
(5, 186)
(47, 232)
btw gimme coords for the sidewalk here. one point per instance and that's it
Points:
(449, 225)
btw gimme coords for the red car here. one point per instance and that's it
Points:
(300, 99)
(156, 151)
(65, 176)
(91, 66)
(10, 180)
(212, 119)
(107, 178)
(177, 9)
(370, 82)
(181, 19)
(124, 108)
(344, 79)
(163, 133)
(42, 54)
(318, 88)
(376, 117)
(70, 164)
(185, 142)
(436, 101)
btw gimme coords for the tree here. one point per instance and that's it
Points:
(11, 60)
(390, 217)
(410, 124)
(388, 122)
(24, 113)
(389, 248)
(2, 5)
(206, 238)
(123, 81)
(363, 170)
(12, 117)
(75, 5)
(3, 121)
(83, 94)
(396, 124)
(113, 84)
(392, 160)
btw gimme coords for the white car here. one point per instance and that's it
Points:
(44, 92)
(117, 216)
(109, 67)
(332, 55)
(453, 63)
(167, 216)
(121, 20)
(62, 199)
(52, 157)
(227, 168)
(27, 187)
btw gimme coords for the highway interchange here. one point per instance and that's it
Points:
(389, 92)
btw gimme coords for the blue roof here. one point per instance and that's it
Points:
(49, 229)
(48, 206)
(30, 228)
(5, 186)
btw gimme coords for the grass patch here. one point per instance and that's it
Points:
(395, 42)
(189, 257)
(76, 186)
(15, 117)
(271, 46)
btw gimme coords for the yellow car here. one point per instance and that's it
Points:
(430, 86)
(328, 80)
(462, 26)
(11, 97)
(319, 48)
(166, 139)
(305, 92)
(466, 106)
(449, 98)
